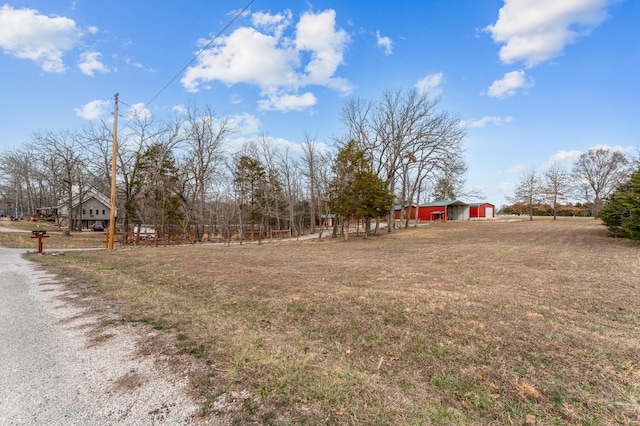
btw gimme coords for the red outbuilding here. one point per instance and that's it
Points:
(482, 211)
(443, 210)
(409, 211)
(326, 220)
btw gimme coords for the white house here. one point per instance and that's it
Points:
(90, 209)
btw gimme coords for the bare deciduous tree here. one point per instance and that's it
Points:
(597, 173)
(66, 158)
(316, 171)
(21, 186)
(204, 136)
(556, 183)
(527, 191)
(407, 137)
(97, 140)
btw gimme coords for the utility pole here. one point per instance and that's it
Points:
(112, 210)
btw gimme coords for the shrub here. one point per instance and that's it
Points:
(621, 212)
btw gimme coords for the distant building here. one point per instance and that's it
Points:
(406, 212)
(328, 220)
(88, 210)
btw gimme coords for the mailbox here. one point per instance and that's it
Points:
(39, 234)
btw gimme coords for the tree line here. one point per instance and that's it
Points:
(184, 174)
(584, 189)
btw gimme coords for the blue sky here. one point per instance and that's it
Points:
(533, 80)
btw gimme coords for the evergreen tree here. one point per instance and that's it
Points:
(156, 202)
(621, 212)
(249, 181)
(356, 191)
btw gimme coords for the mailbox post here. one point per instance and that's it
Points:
(39, 234)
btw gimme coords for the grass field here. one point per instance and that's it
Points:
(451, 323)
(17, 234)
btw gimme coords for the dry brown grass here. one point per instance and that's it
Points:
(17, 234)
(452, 323)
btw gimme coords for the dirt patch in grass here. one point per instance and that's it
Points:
(451, 323)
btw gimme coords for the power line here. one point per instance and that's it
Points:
(235, 18)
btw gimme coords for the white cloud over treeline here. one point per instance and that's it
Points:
(93, 110)
(431, 84)
(284, 59)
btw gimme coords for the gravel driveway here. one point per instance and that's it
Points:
(58, 368)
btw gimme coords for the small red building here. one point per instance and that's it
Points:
(328, 220)
(408, 211)
(482, 211)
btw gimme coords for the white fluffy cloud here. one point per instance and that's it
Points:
(180, 110)
(615, 148)
(26, 34)
(533, 31)
(431, 84)
(245, 124)
(264, 56)
(274, 24)
(516, 170)
(316, 34)
(565, 158)
(484, 121)
(93, 110)
(127, 60)
(245, 56)
(138, 111)
(385, 43)
(568, 158)
(90, 63)
(512, 83)
(286, 102)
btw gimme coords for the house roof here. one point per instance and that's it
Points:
(91, 193)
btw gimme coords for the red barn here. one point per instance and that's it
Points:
(443, 210)
(482, 211)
